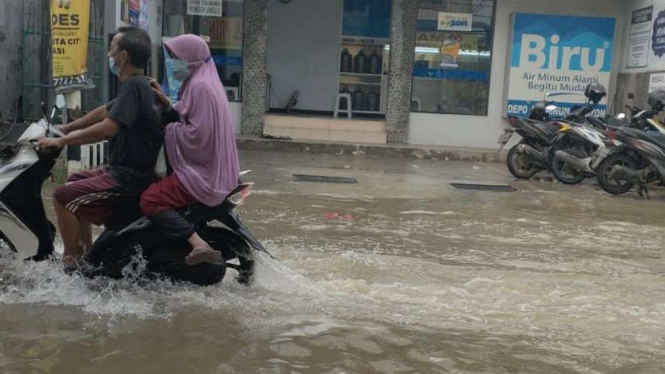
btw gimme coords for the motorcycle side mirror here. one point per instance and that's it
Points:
(631, 96)
(60, 101)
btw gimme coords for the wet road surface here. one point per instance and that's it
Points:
(400, 273)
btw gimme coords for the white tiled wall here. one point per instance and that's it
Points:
(323, 129)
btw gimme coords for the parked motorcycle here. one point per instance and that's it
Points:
(636, 155)
(26, 231)
(592, 146)
(541, 138)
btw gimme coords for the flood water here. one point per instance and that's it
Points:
(400, 274)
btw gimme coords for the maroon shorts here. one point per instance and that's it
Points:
(93, 195)
(167, 194)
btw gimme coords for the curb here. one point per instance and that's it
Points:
(373, 150)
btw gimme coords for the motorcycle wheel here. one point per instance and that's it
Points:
(615, 187)
(519, 165)
(563, 172)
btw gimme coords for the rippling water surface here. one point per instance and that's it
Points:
(529, 282)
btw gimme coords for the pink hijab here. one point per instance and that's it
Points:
(201, 147)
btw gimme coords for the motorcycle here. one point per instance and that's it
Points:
(531, 154)
(541, 137)
(636, 155)
(592, 144)
(26, 231)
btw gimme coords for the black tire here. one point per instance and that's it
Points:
(563, 172)
(615, 187)
(519, 165)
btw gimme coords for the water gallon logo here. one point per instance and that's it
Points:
(455, 21)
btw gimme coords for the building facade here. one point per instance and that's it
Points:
(421, 72)
(417, 81)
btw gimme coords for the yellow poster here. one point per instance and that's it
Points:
(70, 21)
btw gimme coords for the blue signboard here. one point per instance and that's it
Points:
(558, 54)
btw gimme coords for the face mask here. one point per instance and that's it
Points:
(180, 70)
(115, 69)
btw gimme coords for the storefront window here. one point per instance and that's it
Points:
(224, 36)
(451, 73)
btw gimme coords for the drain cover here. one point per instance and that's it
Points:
(483, 187)
(323, 179)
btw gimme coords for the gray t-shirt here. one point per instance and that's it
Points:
(134, 149)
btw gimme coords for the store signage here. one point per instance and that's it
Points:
(657, 82)
(657, 50)
(557, 54)
(455, 21)
(640, 32)
(208, 8)
(69, 34)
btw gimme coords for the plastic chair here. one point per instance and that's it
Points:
(349, 106)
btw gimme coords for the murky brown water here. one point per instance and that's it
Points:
(427, 281)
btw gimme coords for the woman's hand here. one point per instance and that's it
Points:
(157, 89)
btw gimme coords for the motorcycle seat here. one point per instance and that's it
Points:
(656, 139)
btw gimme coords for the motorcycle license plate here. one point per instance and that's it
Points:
(505, 137)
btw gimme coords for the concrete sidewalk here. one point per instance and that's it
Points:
(373, 150)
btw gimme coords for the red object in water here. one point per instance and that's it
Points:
(335, 215)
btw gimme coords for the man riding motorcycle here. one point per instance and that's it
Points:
(135, 136)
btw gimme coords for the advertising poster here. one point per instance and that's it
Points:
(173, 85)
(640, 35)
(557, 54)
(144, 15)
(226, 33)
(657, 50)
(69, 30)
(130, 12)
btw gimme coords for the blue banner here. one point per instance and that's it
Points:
(227, 60)
(521, 108)
(558, 54)
(563, 42)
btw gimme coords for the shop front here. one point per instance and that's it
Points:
(446, 76)
(422, 72)
(328, 69)
(466, 106)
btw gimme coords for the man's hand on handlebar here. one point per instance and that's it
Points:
(47, 144)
